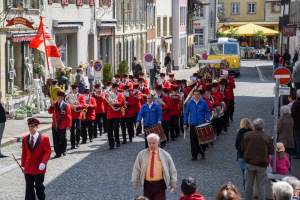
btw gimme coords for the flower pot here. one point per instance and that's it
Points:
(19, 118)
(29, 115)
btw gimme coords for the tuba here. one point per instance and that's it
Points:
(72, 99)
(109, 99)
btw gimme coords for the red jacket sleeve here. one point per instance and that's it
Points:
(216, 100)
(50, 109)
(227, 94)
(208, 103)
(185, 91)
(69, 115)
(147, 91)
(92, 103)
(81, 100)
(167, 102)
(47, 150)
(131, 100)
(23, 158)
(231, 82)
(120, 102)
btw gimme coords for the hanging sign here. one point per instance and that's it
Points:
(149, 61)
(98, 66)
(19, 20)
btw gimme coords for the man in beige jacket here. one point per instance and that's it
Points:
(155, 169)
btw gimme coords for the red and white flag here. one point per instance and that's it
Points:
(45, 43)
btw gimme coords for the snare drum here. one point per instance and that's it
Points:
(205, 133)
(158, 130)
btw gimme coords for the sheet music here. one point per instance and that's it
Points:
(160, 81)
(193, 78)
(126, 94)
(158, 100)
(114, 96)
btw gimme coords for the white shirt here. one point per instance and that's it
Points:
(35, 137)
(196, 101)
(150, 105)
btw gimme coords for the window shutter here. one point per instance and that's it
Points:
(50, 1)
(41, 4)
(26, 54)
(9, 55)
(92, 2)
(25, 3)
(101, 3)
(109, 3)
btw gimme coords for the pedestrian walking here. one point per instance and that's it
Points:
(155, 170)
(295, 183)
(80, 80)
(168, 63)
(189, 190)
(138, 68)
(245, 126)
(267, 52)
(90, 73)
(282, 160)
(133, 64)
(3, 116)
(257, 146)
(246, 49)
(296, 117)
(295, 58)
(153, 73)
(63, 80)
(36, 151)
(296, 75)
(276, 60)
(281, 190)
(229, 192)
(286, 56)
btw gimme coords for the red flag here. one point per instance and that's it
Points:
(45, 43)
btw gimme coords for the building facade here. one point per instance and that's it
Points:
(151, 27)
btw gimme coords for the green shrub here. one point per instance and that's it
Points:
(107, 73)
(37, 68)
(123, 67)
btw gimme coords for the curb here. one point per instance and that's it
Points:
(260, 73)
(18, 138)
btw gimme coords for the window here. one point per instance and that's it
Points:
(158, 27)
(220, 8)
(216, 49)
(199, 37)
(170, 25)
(230, 49)
(275, 6)
(198, 11)
(235, 8)
(251, 8)
(165, 26)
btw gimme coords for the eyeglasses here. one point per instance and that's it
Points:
(149, 98)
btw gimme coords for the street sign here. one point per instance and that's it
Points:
(283, 90)
(98, 66)
(149, 61)
(283, 74)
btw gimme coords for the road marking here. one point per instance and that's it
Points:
(282, 76)
(260, 74)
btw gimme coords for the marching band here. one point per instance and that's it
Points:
(105, 110)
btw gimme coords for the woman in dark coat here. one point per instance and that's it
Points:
(245, 126)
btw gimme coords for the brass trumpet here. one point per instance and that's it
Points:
(124, 109)
(84, 111)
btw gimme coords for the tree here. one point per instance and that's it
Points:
(258, 36)
(220, 34)
(107, 73)
(233, 33)
(123, 67)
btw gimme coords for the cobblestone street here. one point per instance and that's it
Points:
(93, 172)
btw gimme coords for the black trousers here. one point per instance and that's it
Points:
(59, 140)
(113, 130)
(231, 108)
(98, 123)
(105, 122)
(90, 126)
(35, 181)
(139, 128)
(127, 123)
(195, 146)
(146, 142)
(174, 126)
(76, 125)
(166, 127)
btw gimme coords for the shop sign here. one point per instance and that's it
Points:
(19, 20)
(196, 23)
(289, 30)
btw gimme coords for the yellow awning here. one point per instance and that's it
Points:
(249, 29)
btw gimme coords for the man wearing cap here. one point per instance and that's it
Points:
(231, 86)
(90, 74)
(224, 90)
(189, 190)
(137, 106)
(126, 83)
(61, 122)
(131, 79)
(127, 119)
(164, 83)
(108, 88)
(76, 113)
(117, 81)
(144, 90)
(197, 111)
(172, 79)
(113, 116)
(141, 75)
(168, 63)
(36, 151)
(175, 113)
(99, 111)
(88, 116)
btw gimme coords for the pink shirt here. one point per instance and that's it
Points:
(204, 56)
(290, 105)
(282, 166)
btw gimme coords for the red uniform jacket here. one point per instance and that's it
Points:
(144, 91)
(176, 106)
(201, 83)
(100, 102)
(216, 98)
(166, 115)
(226, 96)
(66, 121)
(210, 107)
(231, 86)
(217, 95)
(172, 83)
(184, 90)
(137, 106)
(121, 86)
(81, 100)
(130, 107)
(145, 83)
(90, 114)
(166, 84)
(129, 84)
(116, 114)
(32, 158)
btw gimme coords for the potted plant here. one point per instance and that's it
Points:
(20, 114)
(15, 93)
(37, 69)
(123, 67)
(34, 110)
(107, 73)
(28, 111)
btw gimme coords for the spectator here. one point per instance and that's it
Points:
(292, 98)
(258, 160)
(257, 53)
(295, 59)
(3, 116)
(282, 191)
(133, 64)
(294, 182)
(285, 129)
(245, 126)
(140, 198)
(282, 160)
(80, 80)
(228, 192)
(69, 69)
(276, 60)
(252, 53)
(54, 89)
(153, 73)
(154, 181)
(168, 63)
(286, 56)
(296, 75)
(288, 66)
(63, 80)
(189, 190)
(296, 117)
(138, 68)
(90, 74)
(246, 49)
(267, 52)
(204, 56)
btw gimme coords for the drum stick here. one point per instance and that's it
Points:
(184, 135)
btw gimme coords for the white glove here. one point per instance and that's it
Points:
(42, 166)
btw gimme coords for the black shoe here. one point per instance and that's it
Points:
(95, 136)
(56, 156)
(2, 155)
(225, 129)
(137, 134)
(64, 153)
(231, 119)
(124, 142)
(118, 144)
(203, 156)
(130, 140)
(194, 158)
(83, 142)
(73, 147)
(91, 140)
(111, 148)
(172, 139)
(100, 134)
(218, 133)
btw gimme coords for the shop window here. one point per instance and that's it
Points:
(61, 43)
(235, 8)
(34, 4)
(276, 6)
(199, 37)
(251, 8)
(199, 11)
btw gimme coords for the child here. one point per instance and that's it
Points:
(282, 160)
